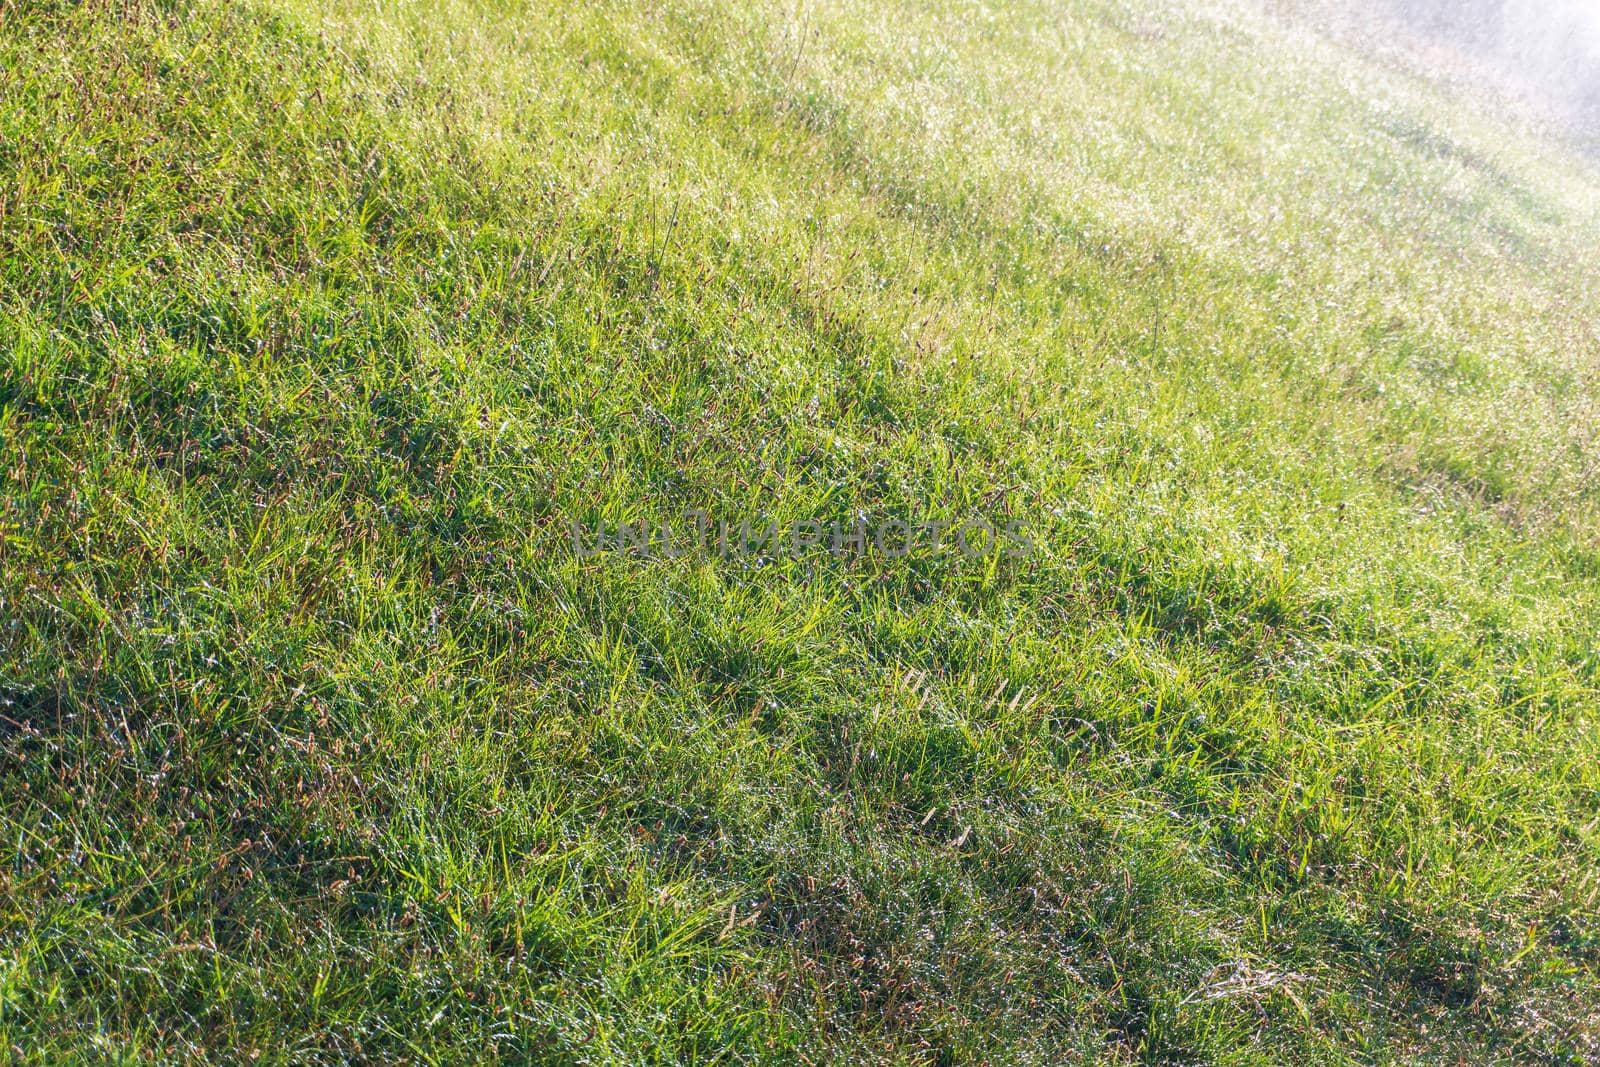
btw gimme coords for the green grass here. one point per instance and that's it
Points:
(319, 321)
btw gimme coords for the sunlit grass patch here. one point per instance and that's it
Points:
(320, 324)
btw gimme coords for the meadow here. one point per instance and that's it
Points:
(322, 322)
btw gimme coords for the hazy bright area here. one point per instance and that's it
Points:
(1277, 323)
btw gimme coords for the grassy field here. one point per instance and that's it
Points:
(321, 320)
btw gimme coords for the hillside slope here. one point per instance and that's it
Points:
(321, 323)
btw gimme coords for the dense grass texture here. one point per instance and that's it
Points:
(321, 319)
